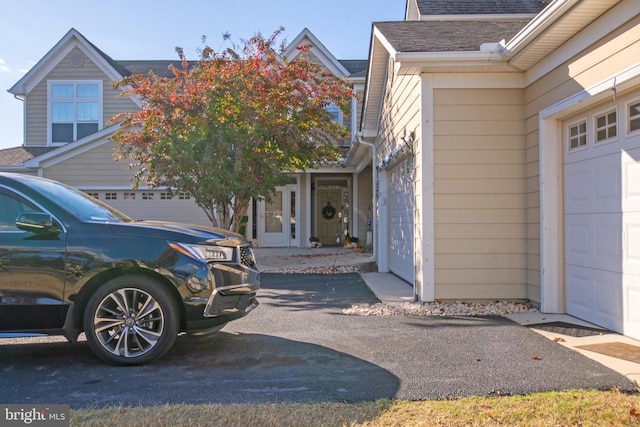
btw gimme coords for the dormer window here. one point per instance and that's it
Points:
(75, 110)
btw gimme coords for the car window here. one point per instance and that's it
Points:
(78, 203)
(10, 206)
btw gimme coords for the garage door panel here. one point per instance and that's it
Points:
(631, 181)
(632, 244)
(632, 302)
(579, 290)
(606, 183)
(595, 295)
(594, 240)
(590, 189)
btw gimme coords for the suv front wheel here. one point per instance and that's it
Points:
(130, 320)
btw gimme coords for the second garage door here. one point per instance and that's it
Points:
(154, 205)
(401, 208)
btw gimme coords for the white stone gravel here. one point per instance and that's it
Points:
(336, 269)
(498, 308)
(457, 308)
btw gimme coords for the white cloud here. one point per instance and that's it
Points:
(4, 68)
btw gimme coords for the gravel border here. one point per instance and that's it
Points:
(437, 308)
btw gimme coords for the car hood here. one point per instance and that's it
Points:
(172, 230)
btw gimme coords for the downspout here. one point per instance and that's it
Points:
(374, 210)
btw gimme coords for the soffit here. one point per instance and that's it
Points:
(562, 29)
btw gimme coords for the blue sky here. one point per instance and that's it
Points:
(151, 29)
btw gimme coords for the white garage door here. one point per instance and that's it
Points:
(401, 251)
(154, 205)
(602, 233)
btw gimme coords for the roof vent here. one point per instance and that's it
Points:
(76, 60)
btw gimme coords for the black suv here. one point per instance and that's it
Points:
(70, 264)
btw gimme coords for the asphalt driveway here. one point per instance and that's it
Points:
(299, 347)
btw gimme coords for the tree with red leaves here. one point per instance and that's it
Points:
(230, 126)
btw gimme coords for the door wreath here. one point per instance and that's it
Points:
(328, 212)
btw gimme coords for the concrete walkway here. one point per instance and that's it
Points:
(389, 289)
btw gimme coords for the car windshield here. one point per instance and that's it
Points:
(77, 203)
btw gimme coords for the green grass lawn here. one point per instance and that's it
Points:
(566, 408)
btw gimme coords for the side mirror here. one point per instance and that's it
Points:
(36, 222)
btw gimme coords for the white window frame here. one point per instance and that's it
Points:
(605, 113)
(75, 99)
(568, 127)
(628, 117)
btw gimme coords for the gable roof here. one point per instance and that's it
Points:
(319, 50)
(557, 23)
(52, 58)
(480, 7)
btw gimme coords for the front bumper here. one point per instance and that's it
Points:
(234, 292)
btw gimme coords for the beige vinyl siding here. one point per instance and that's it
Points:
(36, 116)
(479, 194)
(399, 117)
(618, 51)
(95, 167)
(36, 101)
(364, 203)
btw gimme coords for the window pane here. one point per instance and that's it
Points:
(62, 91)
(334, 113)
(578, 135)
(87, 91)
(634, 117)
(62, 132)
(85, 129)
(273, 214)
(62, 112)
(87, 111)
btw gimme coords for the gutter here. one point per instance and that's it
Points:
(374, 217)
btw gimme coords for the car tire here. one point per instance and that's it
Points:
(130, 320)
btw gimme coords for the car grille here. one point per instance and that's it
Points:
(230, 302)
(246, 257)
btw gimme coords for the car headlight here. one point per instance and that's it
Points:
(203, 252)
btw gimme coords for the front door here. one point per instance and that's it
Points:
(329, 225)
(278, 226)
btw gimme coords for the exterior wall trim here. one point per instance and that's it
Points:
(425, 214)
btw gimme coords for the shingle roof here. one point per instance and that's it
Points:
(355, 67)
(480, 7)
(159, 67)
(16, 156)
(443, 36)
